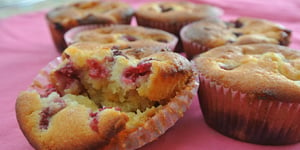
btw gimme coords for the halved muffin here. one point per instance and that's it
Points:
(105, 98)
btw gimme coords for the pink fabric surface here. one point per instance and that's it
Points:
(26, 46)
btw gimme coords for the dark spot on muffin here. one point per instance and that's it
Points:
(285, 37)
(229, 41)
(129, 38)
(162, 40)
(91, 19)
(119, 53)
(165, 49)
(238, 24)
(267, 94)
(115, 47)
(164, 9)
(58, 26)
(206, 28)
(237, 34)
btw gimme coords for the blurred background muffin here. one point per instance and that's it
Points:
(172, 16)
(63, 18)
(203, 35)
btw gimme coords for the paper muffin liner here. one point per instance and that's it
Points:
(70, 35)
(238, 115)
(191, 48)
(154, 127)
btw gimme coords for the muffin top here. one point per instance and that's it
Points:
(264, 71)
(244, 30)
(177, 11)
(102, 12)
(121, 36)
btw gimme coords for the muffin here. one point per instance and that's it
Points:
(203, 35)
(63, 18)
(172, 16)
(103, 98)
(121, 36)
(251, 92)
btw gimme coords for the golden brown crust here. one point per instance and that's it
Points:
(63, 18)
(244, 30)
(66, 130)
(263, 71)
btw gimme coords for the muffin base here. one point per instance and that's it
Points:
(239, 116)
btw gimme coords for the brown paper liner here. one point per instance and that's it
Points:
(154, 127)
(191, 48)
(238, 115)
(69, 37)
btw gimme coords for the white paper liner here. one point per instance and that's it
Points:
(191, 48)
(69, 37)
(153, 127)
(237, 115)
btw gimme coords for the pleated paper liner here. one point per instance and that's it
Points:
(238, 115)
(191, 48)
(70, 35)
(155, 126)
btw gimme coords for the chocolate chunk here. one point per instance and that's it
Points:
(162, 40)
(58, 26)
(237, 34)
(165, 9)
(238, 24)
(130, 38)
(230, 41)
(285, 37)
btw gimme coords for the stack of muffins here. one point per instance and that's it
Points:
(249, 80)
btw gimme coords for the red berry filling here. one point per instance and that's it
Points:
(94, 122)
(131, 74)
(96, 69)
(48, 90)
(48, 112)
(68, 70)
(66, 78)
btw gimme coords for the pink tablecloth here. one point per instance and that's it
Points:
(25, 47)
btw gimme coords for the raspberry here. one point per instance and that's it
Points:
(96, 69)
